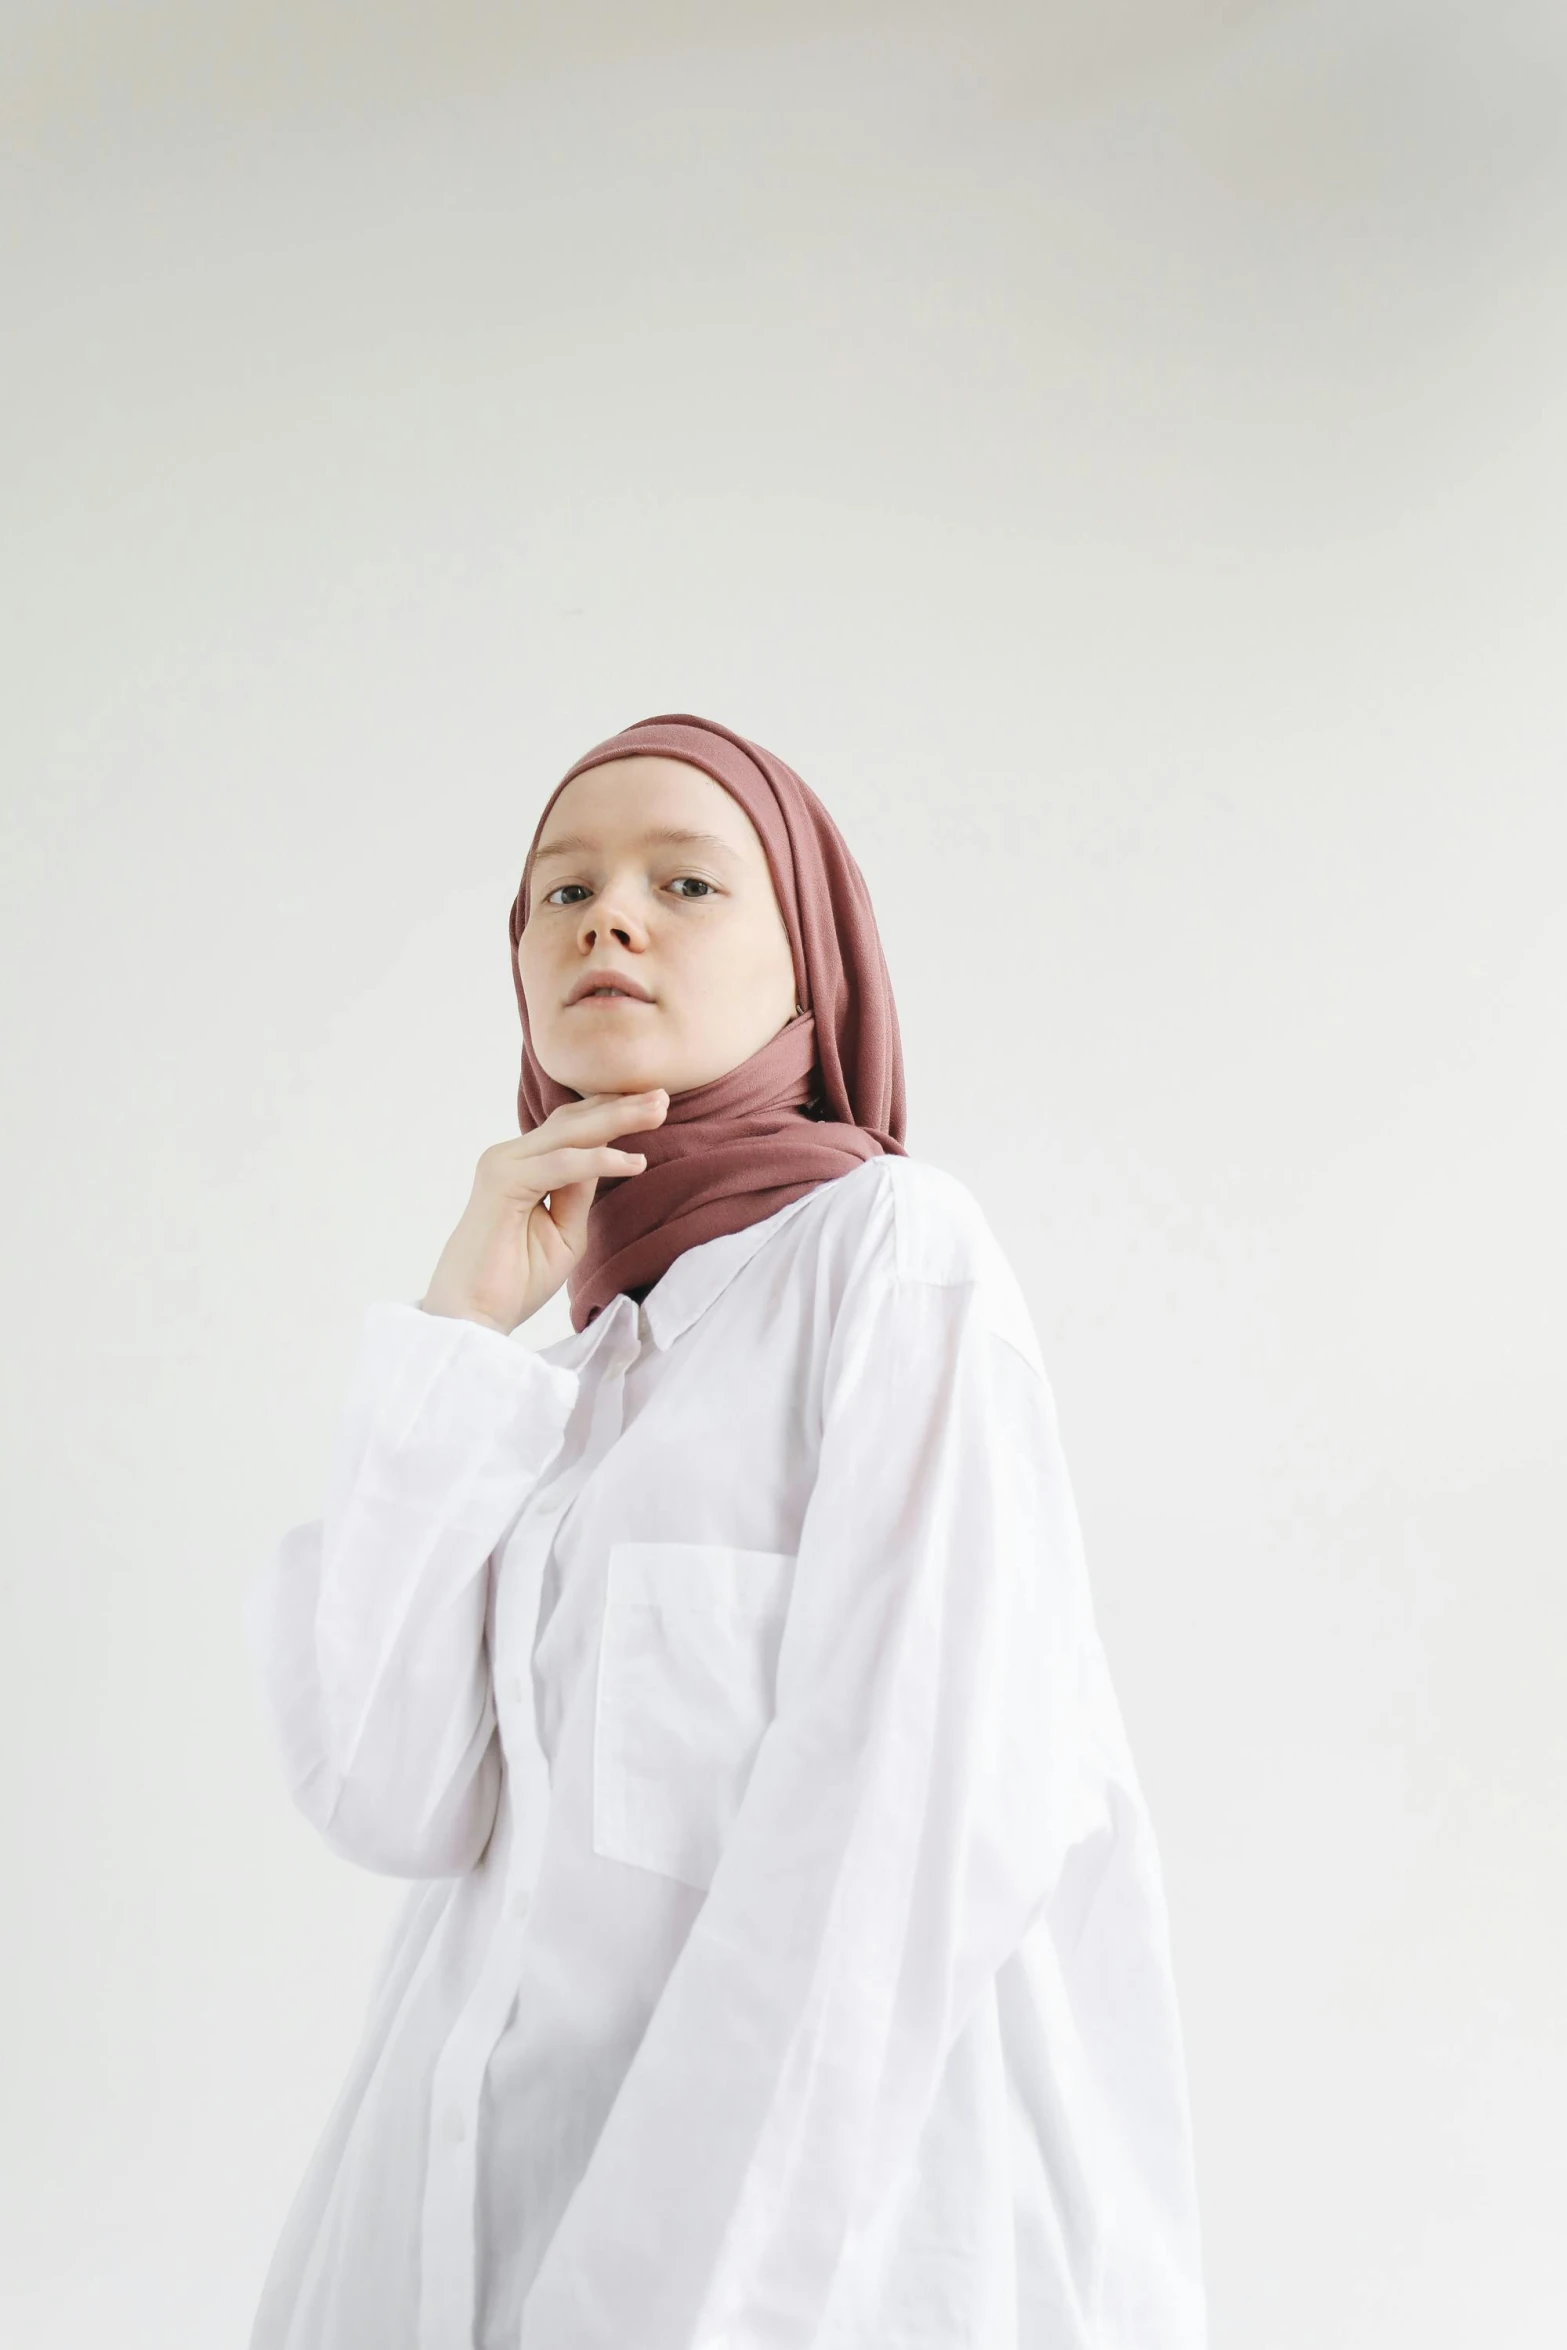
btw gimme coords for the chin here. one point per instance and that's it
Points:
(609, 1072)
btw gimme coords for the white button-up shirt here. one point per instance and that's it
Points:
(789, 1965)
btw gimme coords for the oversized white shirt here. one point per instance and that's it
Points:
(789, 1966)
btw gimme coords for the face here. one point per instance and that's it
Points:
(654, 952)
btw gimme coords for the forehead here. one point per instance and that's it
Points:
(623, 801)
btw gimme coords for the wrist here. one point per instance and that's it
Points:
(464, 1313)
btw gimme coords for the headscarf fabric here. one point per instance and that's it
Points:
(820, 1097)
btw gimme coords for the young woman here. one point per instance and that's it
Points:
(787, 1967)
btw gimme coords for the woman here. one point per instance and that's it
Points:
(787, 1967)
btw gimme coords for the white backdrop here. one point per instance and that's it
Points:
(1116, 455)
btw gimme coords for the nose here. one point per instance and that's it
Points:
(612, 916)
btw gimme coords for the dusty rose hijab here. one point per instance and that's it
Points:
(822, 1095)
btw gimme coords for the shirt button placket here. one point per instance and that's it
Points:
(448, 2297)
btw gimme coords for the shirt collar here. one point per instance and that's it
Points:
(682, 1293)
(698, 1275)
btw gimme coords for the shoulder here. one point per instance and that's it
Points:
(916, 1220)
(907, 1221)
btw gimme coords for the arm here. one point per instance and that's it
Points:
(903, 1824)
(367, 1625)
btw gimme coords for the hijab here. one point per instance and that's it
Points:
(816, 1100)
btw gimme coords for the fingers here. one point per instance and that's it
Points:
(547, 1170)
(568, 1210)
(531, 1164)
(608, 1113)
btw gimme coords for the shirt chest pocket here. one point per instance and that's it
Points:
(686, 1679)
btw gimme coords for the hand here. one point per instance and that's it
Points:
(511, 1251)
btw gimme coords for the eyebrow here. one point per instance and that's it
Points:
(576, 844)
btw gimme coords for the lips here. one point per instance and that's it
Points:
(602, 986)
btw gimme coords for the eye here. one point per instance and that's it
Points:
(696, 881)
(553, 897)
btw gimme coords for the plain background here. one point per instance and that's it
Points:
(1116, 454)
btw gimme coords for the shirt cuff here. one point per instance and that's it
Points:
(457, 1396)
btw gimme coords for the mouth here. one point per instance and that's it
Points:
(608, 991)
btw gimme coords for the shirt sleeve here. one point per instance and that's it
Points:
(903, 1825)
(367, 1625)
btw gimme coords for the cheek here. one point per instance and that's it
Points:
(760, 977)
(532, 969)
(769, 954)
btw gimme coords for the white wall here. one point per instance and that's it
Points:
(1119, 462)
